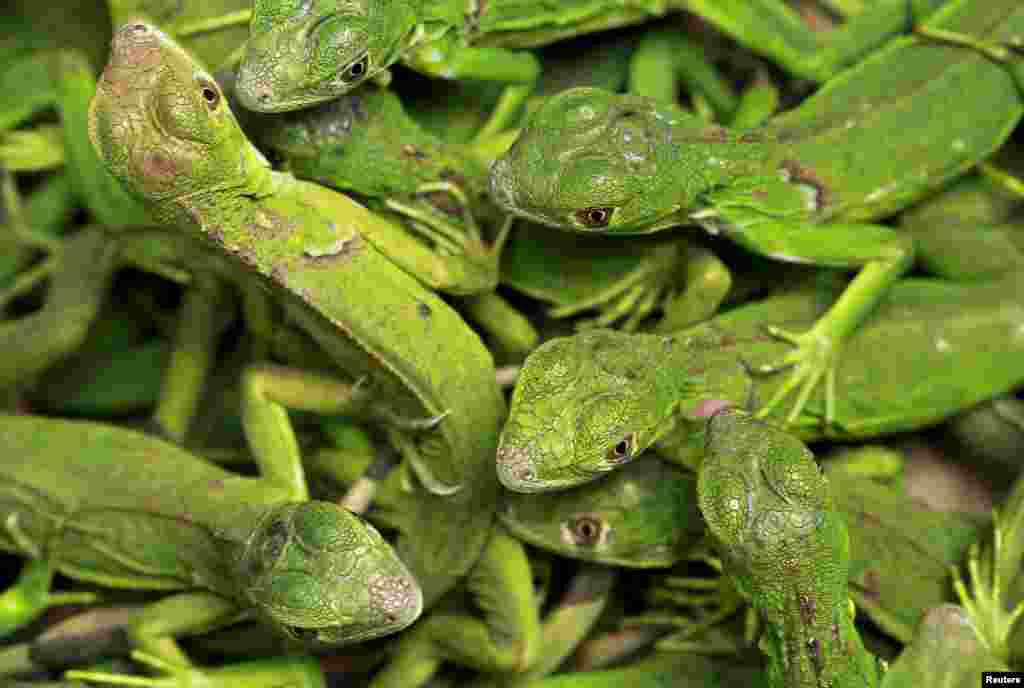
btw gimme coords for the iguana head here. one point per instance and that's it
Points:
(592, 161)
(304, 52)
(582, 406)
(322, 575)
(642, 515)
(160, 122)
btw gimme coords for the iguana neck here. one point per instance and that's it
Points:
(810, 637)
(202, 210)
(708, 156)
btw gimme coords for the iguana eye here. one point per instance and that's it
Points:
(357, 70)
(210, 93)
(594, 218)
(586, 531)
(622, 451)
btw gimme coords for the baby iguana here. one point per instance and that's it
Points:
(578, 398)
(800, 189)
(303, 52)
(644, 515)
(587, 404)
(489, 623)
(409, 363)
(641, 516)
(786, 546)
(365, 144)
(112, 506)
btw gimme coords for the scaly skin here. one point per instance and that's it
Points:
(638, 517)
(163, 128)
(489, 623)
(594, 162)
(971, 233)
(365, 143)
(117, 508)
(786, 547)
(303, 52)
(642, 516)
(587, 404)
(275, 672)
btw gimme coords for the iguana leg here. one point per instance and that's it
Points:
(30, 594)
(444, 236)
(268, 390)
(772, 29)
(87, 637)
(443, 58)
(988, 601)
(27, 227)
(758, 103)
(276, 672)
(192, 356)
(566, 625)
(664, 58)
(154, 630)
(501, 585)
(88, 261)
(710, 602)
(947, 650)
(883, 254)
(707, 281)
(509, 329)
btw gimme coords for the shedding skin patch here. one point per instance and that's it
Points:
(342, 249)
(159, 170)
(515, 462)
(805, 175)
(394, 596)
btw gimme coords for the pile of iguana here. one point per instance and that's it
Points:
(272, 246)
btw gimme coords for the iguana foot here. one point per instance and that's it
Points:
(986, 601)
(812, 362)
(30, 596)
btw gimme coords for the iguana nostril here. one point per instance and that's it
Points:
(515, 468)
